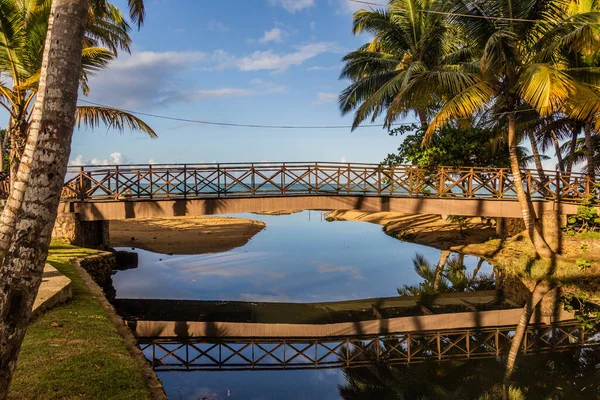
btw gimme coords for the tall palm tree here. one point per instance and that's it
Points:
(406, 43)
(23, 26)
(40, 176)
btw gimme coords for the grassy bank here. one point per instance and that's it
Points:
(73, 351)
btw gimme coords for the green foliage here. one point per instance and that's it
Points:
(583, 264)
(449, 146)
(584, 247)
(587, 218)
(586, 312)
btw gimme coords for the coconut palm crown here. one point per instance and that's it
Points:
(23, 27)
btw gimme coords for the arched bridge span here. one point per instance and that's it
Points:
(134, 191)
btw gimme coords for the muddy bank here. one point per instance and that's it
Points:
(278, 212)
(184, 235)
(429, 230)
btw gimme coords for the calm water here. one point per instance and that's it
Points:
(303, 258)
(296, 258)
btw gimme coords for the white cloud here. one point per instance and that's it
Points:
(115, 158)
(292, 6)
(349, 7)
(321, 68)
(324, 98)
(353, 272)
(267, 60)
(146, 80)
(217, 26)
(343, 159)
(277, 35)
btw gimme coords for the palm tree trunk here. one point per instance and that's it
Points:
(536, 157)
(422, 114)
(40, 178)
(444, 255)
(572, 148)
(535, 297)
(589, 151)
(561, 166)
(540, 245)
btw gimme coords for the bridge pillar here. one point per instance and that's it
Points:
(90, 234)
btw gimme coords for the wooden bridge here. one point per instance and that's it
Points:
(129, 191)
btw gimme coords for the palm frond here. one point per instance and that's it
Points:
(92, 117)
(463, 105)
(544, 88)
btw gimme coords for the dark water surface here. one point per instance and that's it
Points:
(297, 258)
(303, 258)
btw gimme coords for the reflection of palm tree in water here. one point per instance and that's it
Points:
(560, 375)
(448, 276)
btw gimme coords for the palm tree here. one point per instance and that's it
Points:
(406, 43)
(40, 175)
(521, 66)
(23, 26)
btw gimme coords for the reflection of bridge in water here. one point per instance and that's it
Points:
(313, 353)
(130, 191)
(205, 335)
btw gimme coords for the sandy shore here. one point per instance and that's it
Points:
(184, 235)
(429, 230)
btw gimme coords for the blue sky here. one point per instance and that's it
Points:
(254, 62)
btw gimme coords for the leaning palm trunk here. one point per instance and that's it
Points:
(589, 151)
(571, 156)
(536, 157)
(40, 178)
(535, 298)
(444, 255)
(541, 247)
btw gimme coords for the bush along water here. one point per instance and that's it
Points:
(587, 218)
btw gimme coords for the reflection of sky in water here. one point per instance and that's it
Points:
(297, 258)
(254, 385)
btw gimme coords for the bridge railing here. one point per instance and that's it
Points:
(314, 178)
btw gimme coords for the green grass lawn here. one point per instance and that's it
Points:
(73, 351)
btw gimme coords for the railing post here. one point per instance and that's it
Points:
(218, 180)
(470, 189)
(82, 191)
(185, 181)
(117, 181)
(283, 179)
(316, 178)
(252, 179)
(501, 184)
(442, 182)
(150, 173)
(379, 180)
(348, 179)
(410, 180)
